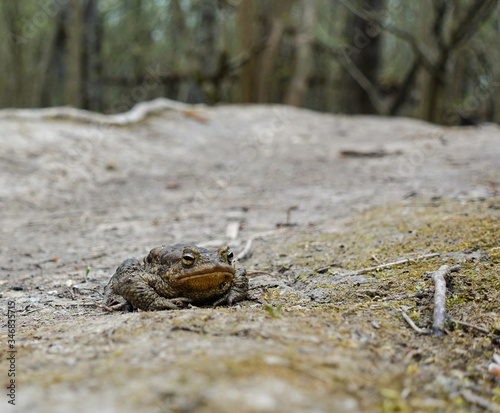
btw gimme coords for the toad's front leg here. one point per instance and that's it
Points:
(137, 291)
(239, 289)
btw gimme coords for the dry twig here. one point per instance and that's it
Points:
(439, 299)
(439, 303)
(479, 400)
(248, 246)
(463, 323)
(246, 250)
(412, 324)
(390, 264)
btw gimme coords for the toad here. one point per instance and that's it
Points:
(172, 277)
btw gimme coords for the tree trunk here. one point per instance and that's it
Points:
(206, 37)
(303, 56)
(38, 84)
(495, 86)
(207, 51)
(266, 85)
(16, 90)
(441, 35)
(73, 93)
(364, 51)
(246, 19)
(92, 59)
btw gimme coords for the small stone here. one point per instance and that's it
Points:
(111, 165)
(173, 185)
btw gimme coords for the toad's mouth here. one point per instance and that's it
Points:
(205, 280)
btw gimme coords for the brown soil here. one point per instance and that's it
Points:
(319, 195)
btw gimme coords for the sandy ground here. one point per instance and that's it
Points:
(76, 199)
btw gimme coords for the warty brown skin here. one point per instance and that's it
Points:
(172, 277)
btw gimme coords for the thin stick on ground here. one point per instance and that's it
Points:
(412, 324)
(137, 114)
(248, 246)
(390, 264)
(464, 324)
(246, 250)
(479, 400)
(439, 299)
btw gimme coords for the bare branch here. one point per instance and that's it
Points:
(439, 299)
(417, 48)
(471, 22)
(299, 81)
(378, 103)
(412, 324)
(246, 250)
(405, 87)
(390, 264)
(479, 400)
(464, 324)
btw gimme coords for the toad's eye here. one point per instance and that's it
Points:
(188, 258)
(228, 255)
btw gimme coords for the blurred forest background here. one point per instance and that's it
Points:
(437, 60)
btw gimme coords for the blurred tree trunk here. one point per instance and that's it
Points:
(141, 40)
(364, 52)
(441, 34)
(16, 90)
(496, 86)
(278, 14)
(247, 31)
(73, 93)
(53, 87)
(450, 33)
(206, 37)
(207, 51)
(38, 84)
(178, 33)
(179, 61)
(303, 54)
(92, 58)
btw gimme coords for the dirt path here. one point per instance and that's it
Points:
(79, 196)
